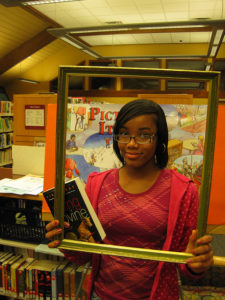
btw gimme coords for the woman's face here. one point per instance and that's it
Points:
(139, 155)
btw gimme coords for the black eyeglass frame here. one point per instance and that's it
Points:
(150, 136)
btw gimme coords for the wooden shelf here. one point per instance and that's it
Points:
(6, 114)
(18, 244)
(39, 197)
(6, 163)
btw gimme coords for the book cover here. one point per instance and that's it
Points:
(78, 211)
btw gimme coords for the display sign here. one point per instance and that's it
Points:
(35, 116)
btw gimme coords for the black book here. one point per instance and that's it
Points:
(78, 211)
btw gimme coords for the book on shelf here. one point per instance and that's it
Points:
(73, 283)
(13, 270)
(21, 277)
(6, 273)
(67, 271)
(5, 257)
(60, 279)
(43, 274)
(78, 212)
(80, 278)
(53, 286)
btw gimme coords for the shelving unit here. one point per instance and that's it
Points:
(29, 250)
(6, 132)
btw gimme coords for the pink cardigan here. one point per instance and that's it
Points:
(182, 219)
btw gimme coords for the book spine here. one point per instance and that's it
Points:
(27, 287)
(41, 284)
(36, 284)
(21, 283)
(48, 287)
(66, 286)
(60, 287)
(72, 285)
(54, 289)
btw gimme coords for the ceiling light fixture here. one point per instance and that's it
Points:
(98, 30)
(72, 41)
(92, 53)
(38, 2)
(218, 36)
(153, 57)
(170, 27)
(29, 80)
(208, 67)
(213, 51)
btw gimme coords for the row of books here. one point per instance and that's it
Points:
(6, 124)
(6, 155)
(6, 107)
(29, 278)
(5, 139)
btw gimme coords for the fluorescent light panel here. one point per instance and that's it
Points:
(29, 81)
(208, 67)
(218, 36)
(46, 2)
(71, 42)
(99, 30)
(91, 53)
(171, 27)
(213, 51)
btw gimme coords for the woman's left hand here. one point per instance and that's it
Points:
(202, 250)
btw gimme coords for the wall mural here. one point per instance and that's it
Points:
(89, 139)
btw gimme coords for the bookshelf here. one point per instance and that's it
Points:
(6, 133)
(35, 251)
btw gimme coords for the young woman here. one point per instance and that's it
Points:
(142, 205)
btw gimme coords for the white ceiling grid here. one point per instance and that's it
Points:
(88, 13)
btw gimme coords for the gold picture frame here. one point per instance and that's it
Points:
(65, 72)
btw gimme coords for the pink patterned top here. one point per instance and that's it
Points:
(182, 218)
(135, 220)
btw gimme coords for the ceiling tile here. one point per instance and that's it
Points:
(181, 37)
(200, 37)
(174, 16)
(143, 38)
(161, 38)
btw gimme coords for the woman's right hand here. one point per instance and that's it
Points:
(53, 230)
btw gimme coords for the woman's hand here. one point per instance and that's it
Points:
(202, 250)
(53, 230)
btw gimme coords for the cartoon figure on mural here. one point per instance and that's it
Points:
(199, 145)
(187, 169)
(79, 114)
(71, 143)
(107, 142)
(93, 159)
(70, 167)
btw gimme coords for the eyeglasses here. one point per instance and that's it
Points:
(139, 139)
